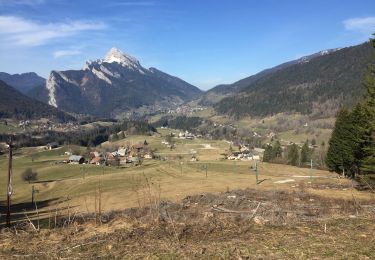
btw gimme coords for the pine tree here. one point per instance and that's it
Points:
(340, 154)
(293, 156)
(361, 121)
(368, 149)
(277, 150)
(267, 155)
(368, 163)
(305, 153)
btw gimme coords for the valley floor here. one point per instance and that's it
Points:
(173, 209)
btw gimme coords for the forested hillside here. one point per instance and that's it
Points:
(319, 87)
(352, 145)
(13, 104)
(23, 82)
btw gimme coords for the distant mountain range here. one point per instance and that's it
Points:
(14, 104)
(111, 86)
(23, 82)
(318, 85)
(225, 88)
(221, 91)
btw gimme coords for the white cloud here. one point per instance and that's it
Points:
(20, 31)
(64, 53)
(364, 25)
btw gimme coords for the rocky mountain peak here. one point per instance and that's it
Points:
(116, 55)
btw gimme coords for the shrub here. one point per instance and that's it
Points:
(29, 175)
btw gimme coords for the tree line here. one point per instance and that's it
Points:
(90, 137)
(352, 145)
(292, 154)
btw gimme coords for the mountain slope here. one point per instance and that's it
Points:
(319, 86)
(14, 104)
(219, 92)
(113, 85)
(22, 82)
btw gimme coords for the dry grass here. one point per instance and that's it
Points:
(284, 225)
(307, 218)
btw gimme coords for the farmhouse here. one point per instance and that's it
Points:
(76, 159)
(138, 147)
(122, 152)
(186, 135)
(52, 145)
(97, 160)
(243, 156)
(95, 154)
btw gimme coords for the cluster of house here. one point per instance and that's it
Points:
(186, 135)
(246, 154)
(271, 135)
(45, 124)
(130, 154)
(49, 125)
(23, 124)
(185, 110)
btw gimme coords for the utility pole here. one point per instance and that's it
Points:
(9, 187)
(311, 169)
(33, 191)
(256, 172)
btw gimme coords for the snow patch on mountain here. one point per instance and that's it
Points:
(125, 60)
(307, 58)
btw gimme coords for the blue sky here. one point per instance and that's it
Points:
(205, 42)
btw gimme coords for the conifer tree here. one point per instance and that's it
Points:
(293, 156)
(368, 161)
(276, 150)
(267, 155)
(305, 153)
(340, 154)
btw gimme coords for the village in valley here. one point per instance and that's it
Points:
(187, 129)
(135, 154)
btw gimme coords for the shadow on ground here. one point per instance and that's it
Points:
(22, 211)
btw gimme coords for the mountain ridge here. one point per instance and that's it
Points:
(14, 104)
(113, 85)
(24, 82)
(320, 86)
(221, 91)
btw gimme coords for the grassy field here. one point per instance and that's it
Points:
(172, 179)
(179, 209)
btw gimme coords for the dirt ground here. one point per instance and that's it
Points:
(238, 224)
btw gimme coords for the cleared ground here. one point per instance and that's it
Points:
(238, 224)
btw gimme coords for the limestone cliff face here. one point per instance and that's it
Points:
(112, 85)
